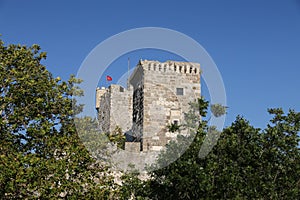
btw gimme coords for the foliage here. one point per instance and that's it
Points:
(173, 127)
(218, 110)
(96, 142)
(117, 137)
(133, 187)
(246, 163)
(41, 155)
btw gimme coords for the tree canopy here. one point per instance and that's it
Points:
(246, 162)
(42, 155)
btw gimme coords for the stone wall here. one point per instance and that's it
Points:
(159, 94)
(114, 106)
(121, 108)
(103, 106)
(166, 90)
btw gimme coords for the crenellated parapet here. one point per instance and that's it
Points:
(171, 66)
(159, 94)
(110, 102)
(99, 93)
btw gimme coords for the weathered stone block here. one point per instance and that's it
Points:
(152, 102)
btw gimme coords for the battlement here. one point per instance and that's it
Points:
(114, 107)
(171, 66)
(107, 92)
(159, 94)
(99, 93)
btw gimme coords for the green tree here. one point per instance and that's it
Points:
(41, 155)
(246, 163)
(218, 110)
(281, 156)
(117, 137)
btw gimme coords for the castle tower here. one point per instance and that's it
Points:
(114, 108)
(161, 95)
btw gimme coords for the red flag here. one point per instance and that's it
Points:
(108, 78)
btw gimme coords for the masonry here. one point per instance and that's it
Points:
(114, 108)
(158, 94)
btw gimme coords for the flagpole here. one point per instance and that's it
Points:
(108, 78)
(128, 67)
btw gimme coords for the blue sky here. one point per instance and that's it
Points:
(254, 43)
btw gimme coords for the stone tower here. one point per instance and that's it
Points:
(161, 95)
(114, 108)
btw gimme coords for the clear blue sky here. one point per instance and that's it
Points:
(255, 43)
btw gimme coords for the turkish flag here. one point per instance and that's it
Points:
(108, 78)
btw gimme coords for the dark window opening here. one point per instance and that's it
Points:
(179, 91)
